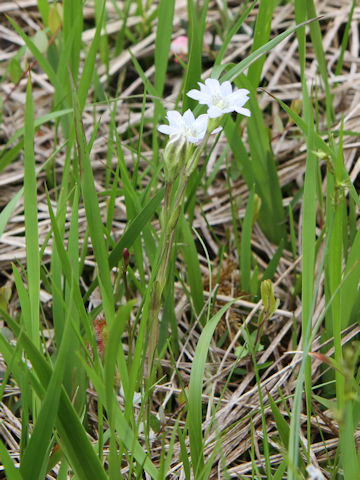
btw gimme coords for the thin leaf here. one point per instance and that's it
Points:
(31, 220)
(195, 391)
(244, 64)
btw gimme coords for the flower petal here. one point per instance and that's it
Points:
(213, 85)
(175, 118)
(195, 94)
(226, 89)
(243, 111)
(239, 96)
(215, 111)
(202, 121)
(188, 117)
(166, 129)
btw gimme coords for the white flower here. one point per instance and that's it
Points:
(220, 98)
(314, 473)
(186, 126)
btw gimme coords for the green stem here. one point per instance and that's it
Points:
(170, 220)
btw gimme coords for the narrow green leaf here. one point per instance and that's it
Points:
(35, 458)
(135, 228)
(308, 249)
(191, 259)
(244, 64)
(73, 437)
(5, 214)
(196, 30)
(9, 155)
(73, 27)
(31, 220)
(12, 473)
(281, 424)
(274, 261)
(245, 249)
(89, 65)
(93, 215)
(43, 6)
(194, 417)
(317, 44)
(235, 28)
(345, 39)
(261, 35)
(162, 42)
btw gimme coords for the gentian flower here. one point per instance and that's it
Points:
(220, 98)
(185, 126)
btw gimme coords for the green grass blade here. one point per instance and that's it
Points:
(43, 6)
(335, 213)
(11, 471)
(350, 460)
(253, 57)
(35, 458)
(317, 44)
(194, 417)
(119, 422)
(72, 359)
(196, 39)
(320, 144)
(274, 261)
(162, 42)
(134, 229)
(191, 259)
(73, 437)
(235, 28)
(245, 248)
(345, 39)
(10, 155)
(65, 264)
(261, 35)
(93, 214)
(241, 157)
(350, 294)
(271, 216)
(281, 423)
(113, 347)
(140, 71)
(31, 220)
(308, 249)
(73, 27)
(89, 65)
(5, 214)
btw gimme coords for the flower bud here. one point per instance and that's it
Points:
(126, 257)
(268, 297)
(192, 159)
(174, 156)
(214, 125)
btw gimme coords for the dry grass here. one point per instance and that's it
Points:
(240, 403)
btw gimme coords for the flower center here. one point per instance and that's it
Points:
(218, 101)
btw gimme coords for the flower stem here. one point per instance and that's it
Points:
(170, 219)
